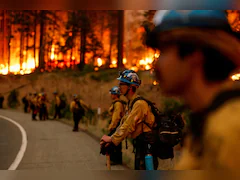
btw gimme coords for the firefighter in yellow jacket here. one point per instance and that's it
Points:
(116, 110)
(78, 108)
(200, 53)
(134, 123)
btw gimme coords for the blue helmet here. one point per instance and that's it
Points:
(169, 20)
(129, 77)
(115, 90)
(75, 96)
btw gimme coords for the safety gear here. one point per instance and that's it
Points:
(116, 110)
(129, 77)
(201, 27)
(130, 123)
(75, 96)
(115, 90)
(169, 20)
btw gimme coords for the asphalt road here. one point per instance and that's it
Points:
(10, 143)
(51, 145)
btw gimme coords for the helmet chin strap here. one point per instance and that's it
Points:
(129, 87)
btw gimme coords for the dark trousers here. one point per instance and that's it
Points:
(34, 112)
(43, 115)
(76, 119)
(26, 108)
(140, 146)
(57, 112)
(116, 154)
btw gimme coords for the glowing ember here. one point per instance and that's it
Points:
(113, 64)
(124, 60)
(155, 83)
(99, 62)
(235, 77)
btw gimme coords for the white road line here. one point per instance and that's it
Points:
(23, 147)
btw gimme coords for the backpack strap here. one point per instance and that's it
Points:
(121, 101)
(147, 101)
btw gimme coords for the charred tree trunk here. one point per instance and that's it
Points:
(35, 38)
(110, 47)
(83, 47)
(4, 35)
(9, 45)
(120, 38)
(27, 46)
(21, 48)
(42, 43)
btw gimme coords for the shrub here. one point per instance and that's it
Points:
(105, 75)
(173, 105)
(13, 101)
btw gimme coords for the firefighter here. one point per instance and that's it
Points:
(57, 105)
(78, 108)
(34, 106)
(200, 52)
(136, 123)
(43, 114)
(29, 101)
(1, 101)
(25, 103)
(116, 110)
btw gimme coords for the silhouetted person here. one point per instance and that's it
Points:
(1, 101)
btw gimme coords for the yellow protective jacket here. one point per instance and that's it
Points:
(74, 105)
(132, 123)
(57, 101)
(116, 110)
(34, 101)
(221, 140)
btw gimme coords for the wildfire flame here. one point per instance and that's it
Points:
(27, 67)
(52, 52)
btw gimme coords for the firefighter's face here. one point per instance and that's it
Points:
(113, 96)
(123, 87)
(172, 72)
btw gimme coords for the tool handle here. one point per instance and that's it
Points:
(108, 161)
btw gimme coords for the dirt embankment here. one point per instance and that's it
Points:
(92, 87)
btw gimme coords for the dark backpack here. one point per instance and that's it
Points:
(167, 129)
(62, 104)
(79, 110)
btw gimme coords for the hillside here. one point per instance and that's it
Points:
(93, 87)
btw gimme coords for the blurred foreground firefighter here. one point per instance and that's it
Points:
(57, 102)
(78, 108)
(199, 51)
(116, 110)
(134, 123)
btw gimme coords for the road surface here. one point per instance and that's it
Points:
(51, 145)
(10, 141)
